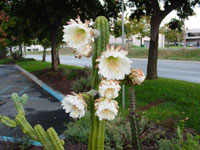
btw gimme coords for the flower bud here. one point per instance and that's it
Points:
(137, 76)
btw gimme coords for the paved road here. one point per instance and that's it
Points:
(181, 70)
(41, 107)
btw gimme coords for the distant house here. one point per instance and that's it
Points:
(134, 40)
(35, 48)
(193, 37)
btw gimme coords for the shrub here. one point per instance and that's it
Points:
(3, 53)
(78, 131)
(16, 55)
(70, 74)
(117, 136)
(81, 85)
(191, 142)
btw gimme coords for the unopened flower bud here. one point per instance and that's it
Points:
(137, 76)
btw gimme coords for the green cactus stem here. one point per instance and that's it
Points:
(96, 138)
(49, 139)
(133, 120)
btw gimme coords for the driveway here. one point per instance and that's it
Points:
(41, 107)
(180, 70)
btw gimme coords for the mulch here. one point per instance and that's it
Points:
(57, 80)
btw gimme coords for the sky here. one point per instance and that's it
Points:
(193, 22)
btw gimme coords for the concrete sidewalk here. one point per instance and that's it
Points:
(41, 107)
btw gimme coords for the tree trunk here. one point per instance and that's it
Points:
(21, 52)
(11, 53)
(140, 42)
(44, 55)
(58, 57)
(179, 40)
(153, 49)
(54, 65)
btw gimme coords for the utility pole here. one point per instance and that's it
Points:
(123, 46)
(184, 34)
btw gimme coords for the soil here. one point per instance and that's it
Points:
(59, 80)
(152, 104)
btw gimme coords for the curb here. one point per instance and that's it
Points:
(44, 86)
(11, 139)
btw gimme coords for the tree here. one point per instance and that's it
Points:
(17, 29)
(176, 26)
(142, 27)
(157, 10)
(117, 29)
(51, 15)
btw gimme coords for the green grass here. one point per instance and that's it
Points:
(38, 65)
(180, 100)
(167, 53)
(171, 53)
(62, 51)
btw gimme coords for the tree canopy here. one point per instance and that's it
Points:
(47, 17)
(157, 10)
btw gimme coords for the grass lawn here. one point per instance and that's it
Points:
(173, 53)
(165, 101)
(38, 65)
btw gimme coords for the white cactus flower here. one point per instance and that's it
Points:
(77, 34)
(75, 105)
(86, 51)
(137, 76)
(106, 109)
(113, 63)
(109, 89)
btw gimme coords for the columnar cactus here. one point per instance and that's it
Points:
(49, 139)
(133, 120)
(96, 139)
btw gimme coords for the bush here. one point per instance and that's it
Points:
(70, 74)
(117, 132)
(78, 131)
(191, 142)
(81, 85)
(16, 55)
(3, 53)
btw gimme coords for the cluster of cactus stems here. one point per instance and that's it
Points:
(133, 120)
(96, 138)
(49, 139)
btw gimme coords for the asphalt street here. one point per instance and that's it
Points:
(41, 106)
(180, 70)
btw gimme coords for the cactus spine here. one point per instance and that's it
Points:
(49, 139)
(96, 139)
(133, 120)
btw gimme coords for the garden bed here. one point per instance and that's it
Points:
(25, 146)
(163, 102)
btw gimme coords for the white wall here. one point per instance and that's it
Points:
(137, 42)
(35, 48)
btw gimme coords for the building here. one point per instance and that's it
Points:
(134, 40)
(35, 48)
(193, 37)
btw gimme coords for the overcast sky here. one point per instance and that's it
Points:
(193, 22)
